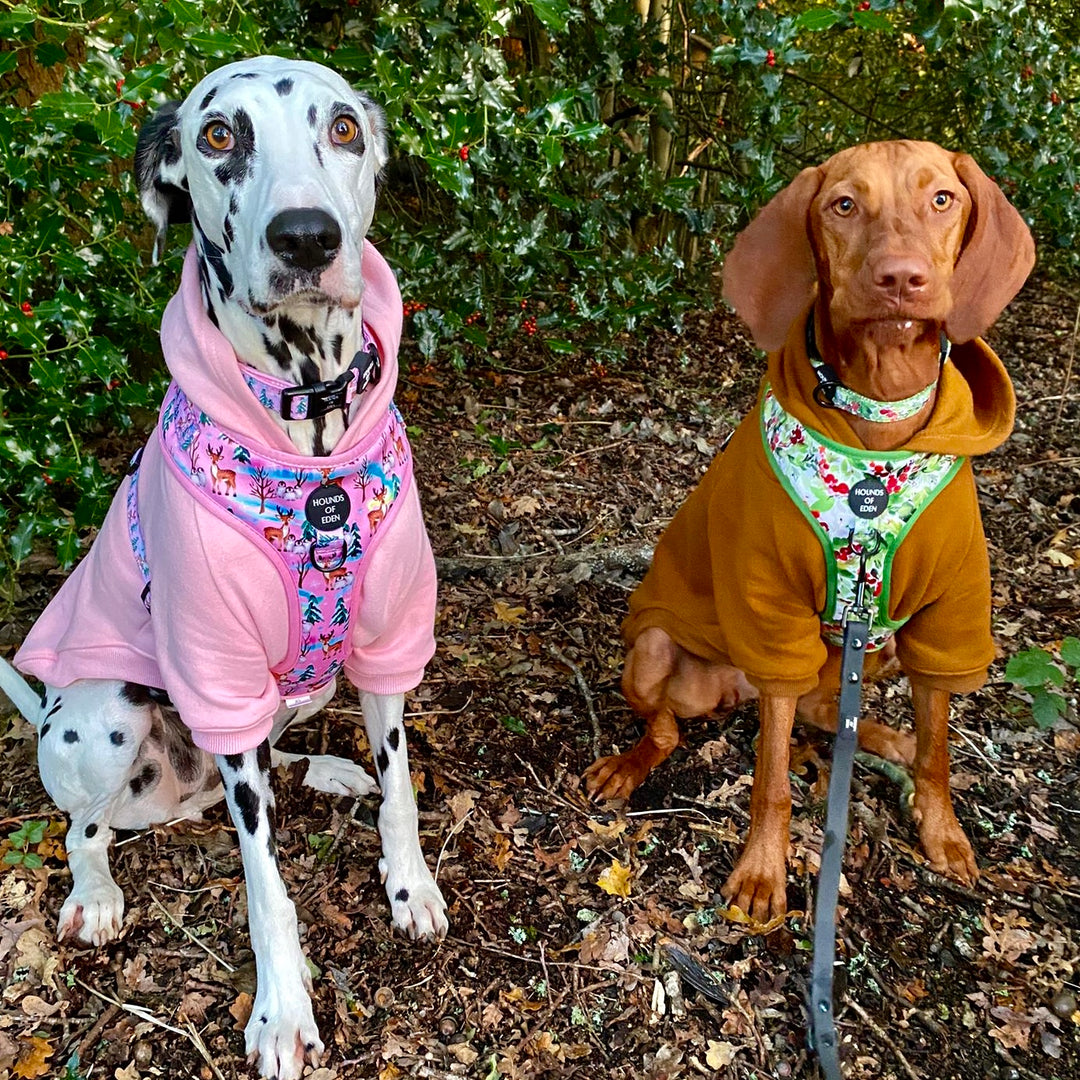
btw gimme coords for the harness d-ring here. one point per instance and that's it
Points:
(338, 560)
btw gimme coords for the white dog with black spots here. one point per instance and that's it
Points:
(275, 162)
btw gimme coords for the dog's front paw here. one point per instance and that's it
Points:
(93, 913)
(758, 884)
(417, 906)
(281, 1036)
(615, 777)
(945, 842)
(338, 776)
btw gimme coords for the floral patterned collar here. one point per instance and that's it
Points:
(830, 393)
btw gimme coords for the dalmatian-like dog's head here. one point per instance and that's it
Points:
(275, 163)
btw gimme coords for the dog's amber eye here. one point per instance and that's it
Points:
(844, 206)
(218, 136)
(943, 200)
(344, 130)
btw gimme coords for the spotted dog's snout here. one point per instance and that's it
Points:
(305, 238)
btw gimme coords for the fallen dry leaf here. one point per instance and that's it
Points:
(509, 616)
(720, 1054)
(615, 879)
(735, 914)
(240, 1009)
(34, 1061)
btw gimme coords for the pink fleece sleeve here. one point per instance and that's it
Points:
(394, 634)
(220, 629)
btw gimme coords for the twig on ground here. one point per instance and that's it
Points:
(543, 964)
(91, 1037)
(449, 836)
(629, 558)
(189, 935)
(882, 1035)
(1068, 371)
(145, 1014)
(927, 1021)
(583, 686)
(1014, 1064)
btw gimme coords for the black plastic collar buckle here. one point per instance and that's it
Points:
(324, 397)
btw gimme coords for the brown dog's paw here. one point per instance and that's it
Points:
(948, 848)
(614, 777)
(758, 884)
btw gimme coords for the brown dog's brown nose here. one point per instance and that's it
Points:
(901, 277)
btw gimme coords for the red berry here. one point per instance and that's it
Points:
(119, 85)
(3, 354)
(770, 59)
(865, 5)
(463, 153)
(46, 477)
(1055, 98)
(26, 308)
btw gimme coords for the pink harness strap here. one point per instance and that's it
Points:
(315, 523)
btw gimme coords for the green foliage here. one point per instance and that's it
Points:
(26, 836)
(1035, 671)
(563, 173)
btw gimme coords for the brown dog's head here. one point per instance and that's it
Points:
(886, 233)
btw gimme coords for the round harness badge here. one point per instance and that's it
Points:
(327, 508)
(868, 498)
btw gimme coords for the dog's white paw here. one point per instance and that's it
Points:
(417, 906)
(281, 1035)
(338, 776)
(92, 913)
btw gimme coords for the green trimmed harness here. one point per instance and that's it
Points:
(861, 505)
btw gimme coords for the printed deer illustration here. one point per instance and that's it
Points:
(327, 479)
(377, 508)
(339, 573)
(330, 647)
(223, 480)
(279, 535)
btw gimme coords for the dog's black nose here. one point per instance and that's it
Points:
(305, 238)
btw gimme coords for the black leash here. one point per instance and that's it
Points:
(822, 1033)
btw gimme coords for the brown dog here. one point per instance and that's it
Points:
(866, 263)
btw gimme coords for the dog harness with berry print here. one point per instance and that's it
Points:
(861, 504)
(315, 524)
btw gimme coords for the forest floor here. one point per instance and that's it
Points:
(545, 485)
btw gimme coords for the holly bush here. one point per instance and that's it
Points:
(564, 173)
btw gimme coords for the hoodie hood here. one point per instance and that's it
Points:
(973, 413)
(203, 363)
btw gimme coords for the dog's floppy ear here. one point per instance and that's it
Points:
(158, 173)
(770, 274)
(377, 122)
(995, 260)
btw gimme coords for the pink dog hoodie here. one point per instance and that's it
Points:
(222, 619)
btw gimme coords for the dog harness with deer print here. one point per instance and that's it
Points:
(861, 505)
(314, 523)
